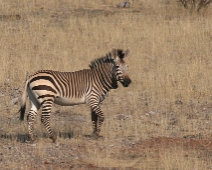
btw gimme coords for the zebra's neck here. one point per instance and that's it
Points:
(106, 76)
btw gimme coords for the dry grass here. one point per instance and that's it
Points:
(170, 65)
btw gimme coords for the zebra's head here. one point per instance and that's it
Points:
(121, 67)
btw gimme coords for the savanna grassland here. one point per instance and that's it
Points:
(161, 121)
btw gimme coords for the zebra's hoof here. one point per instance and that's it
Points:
(54, 139)
(94, 136)
(30, 141)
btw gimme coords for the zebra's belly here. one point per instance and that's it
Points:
(69, 101)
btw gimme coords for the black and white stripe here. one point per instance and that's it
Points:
(89, 86)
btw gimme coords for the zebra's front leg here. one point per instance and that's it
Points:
(94, 119)
(97, 119)
(30, 119)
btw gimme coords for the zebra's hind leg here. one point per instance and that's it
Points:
(46, 122)
(45, 118)
(30, 119)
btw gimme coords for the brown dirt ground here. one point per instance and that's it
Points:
(72, 155)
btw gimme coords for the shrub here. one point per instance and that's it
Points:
(195, 5)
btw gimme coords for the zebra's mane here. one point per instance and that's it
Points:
(109, 58)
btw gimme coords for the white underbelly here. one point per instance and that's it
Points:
(69, 101)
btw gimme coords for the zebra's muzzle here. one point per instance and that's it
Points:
(126, 82)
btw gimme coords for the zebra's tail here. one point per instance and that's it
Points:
(23, 103)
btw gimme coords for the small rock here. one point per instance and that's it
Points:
(123, 4)
(189, 136)
(173, 121)
(14, 101)
(123, 116)
(178, 102)
(46, 162)
(150, 113)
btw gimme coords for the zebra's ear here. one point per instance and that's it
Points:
(114, 53)
(119, 53)
(126, 53)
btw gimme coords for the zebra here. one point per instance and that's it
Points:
(87, 86)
